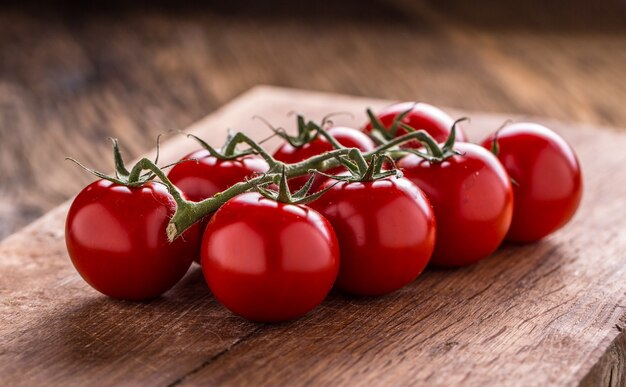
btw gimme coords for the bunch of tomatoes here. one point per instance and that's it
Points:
(364, 211)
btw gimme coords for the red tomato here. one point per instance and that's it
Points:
(210, 175)
(423, 116)
(348, 137)
(269, 261)
(548, 179)
(386, 233)
(473, 202)
(116, 238)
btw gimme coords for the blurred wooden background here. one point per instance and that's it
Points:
(74, 73)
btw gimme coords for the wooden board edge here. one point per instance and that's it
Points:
(610, 368)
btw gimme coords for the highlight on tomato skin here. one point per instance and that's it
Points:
(348, 137)
(386, 232)
(115, 237)
(421, 116)
(547, 179)
(269, 261)
(472, 198)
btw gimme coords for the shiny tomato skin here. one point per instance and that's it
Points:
(548, 179)
(386, 233)
(348, 137)
(268, 261)
(473, 202)
(116, 239)
(210, 175)
(423, 116)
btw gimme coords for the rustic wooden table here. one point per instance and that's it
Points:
(546, 313)
(71, 75)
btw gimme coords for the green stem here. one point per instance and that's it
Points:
(135, 173)
(149, 165)
(419, 135)
(322, 132)
(369, 173)
(360, 161)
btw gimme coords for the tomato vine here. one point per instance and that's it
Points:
(188, 212)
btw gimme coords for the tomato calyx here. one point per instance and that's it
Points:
(361, 170)
(308, 131)
(132, 178)
(381, 134)
(374, 170)
(434, 152)
(230, 151)
(283, 194)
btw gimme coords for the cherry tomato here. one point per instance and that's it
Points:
(269, 261)
(116, 239)
(473, 202)
(547, 179)
(347, 137)
(386, 233)
(422, 116)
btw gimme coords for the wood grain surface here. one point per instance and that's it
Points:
(75, 72)
(541, 314)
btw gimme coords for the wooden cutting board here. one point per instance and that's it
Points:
(547, 313)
